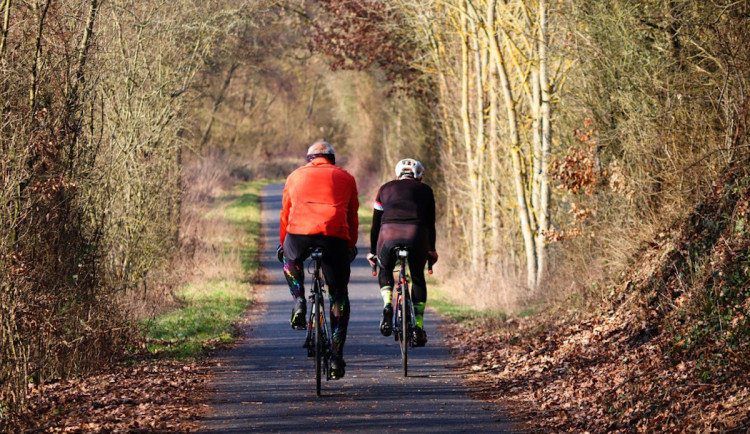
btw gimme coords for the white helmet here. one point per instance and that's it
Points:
(409, 167)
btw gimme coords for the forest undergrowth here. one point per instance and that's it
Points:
(162, 385)
(666, 349)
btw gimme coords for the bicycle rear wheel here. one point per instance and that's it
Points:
(318, 333)
(405, 329)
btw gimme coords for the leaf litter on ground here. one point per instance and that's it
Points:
(146, 396)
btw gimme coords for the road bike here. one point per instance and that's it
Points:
(404, 328)
(318, 339)
(403, 310)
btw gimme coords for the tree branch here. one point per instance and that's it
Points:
(6, 24)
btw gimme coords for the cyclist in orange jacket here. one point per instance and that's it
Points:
(319, 209)
(404, 215)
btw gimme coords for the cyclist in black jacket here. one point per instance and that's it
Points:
(404, 215)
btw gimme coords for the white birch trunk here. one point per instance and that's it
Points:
(536, 144)
(546, 117)
(518, 170)
(477, 193)
(6, 26)
(466, 124)
(492, 134)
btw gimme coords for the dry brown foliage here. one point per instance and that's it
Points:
(359, 34)
(666, 351)
(578, 170)
(150, 396)
(91, 138)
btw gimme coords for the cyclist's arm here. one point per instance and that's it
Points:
(284, 217)
(352, 217)
(432, 233)
(377, 216)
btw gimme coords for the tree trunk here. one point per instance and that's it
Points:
(466, 124)
(478, 175)
(492, 135)
(217, 103)
(518, 169)
(4, 30)
(546, 126)
(41, 15)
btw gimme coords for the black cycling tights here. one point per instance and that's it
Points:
(415, 239)
(335, 270)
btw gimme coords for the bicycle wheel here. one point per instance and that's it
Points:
(405, 329)
(318, 332)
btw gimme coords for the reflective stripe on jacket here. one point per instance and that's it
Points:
(320, 198)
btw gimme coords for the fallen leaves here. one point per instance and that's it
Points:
(584, 374)
(152, 395)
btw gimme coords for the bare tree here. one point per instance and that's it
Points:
(504, 57)
(91, 134)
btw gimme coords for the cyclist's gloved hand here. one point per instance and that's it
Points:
(352, 253)
(371, 259)
(280, 253)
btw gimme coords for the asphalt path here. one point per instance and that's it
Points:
(267, 382)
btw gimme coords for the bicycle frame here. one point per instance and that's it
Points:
(404, 334)
(403, 310)
(318, 338)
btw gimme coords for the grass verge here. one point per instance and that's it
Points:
(364, 214)
(212, 302)
(454, 310)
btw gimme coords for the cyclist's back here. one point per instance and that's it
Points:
(320, 199)
(407, 200)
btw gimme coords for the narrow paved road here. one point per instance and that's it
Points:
(267, 383)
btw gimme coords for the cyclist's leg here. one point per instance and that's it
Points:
(387, 258)
(336, 272)
(417, 261)
(338, 297)
(295, 252)
(391, 235)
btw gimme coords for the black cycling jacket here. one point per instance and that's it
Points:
(404, 201)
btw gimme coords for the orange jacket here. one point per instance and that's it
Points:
(320, 198)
